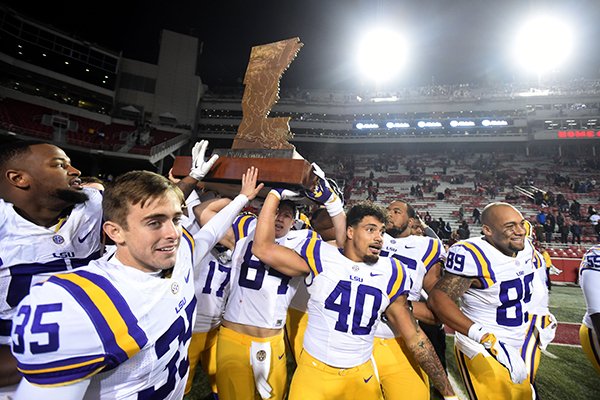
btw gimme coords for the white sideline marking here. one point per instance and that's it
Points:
(566, 345)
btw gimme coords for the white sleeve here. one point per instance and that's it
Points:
(192, 201)
(27, 391)
(590, 282)
(217, 227)
(3, 211)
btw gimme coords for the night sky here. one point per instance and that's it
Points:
(453, 41)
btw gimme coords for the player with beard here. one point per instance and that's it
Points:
(49, 223)
(494, 277)
(399, 373)
(349, 291)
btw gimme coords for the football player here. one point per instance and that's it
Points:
(399, 373)
(49, 223)
(120, 327)
(348, 293)
(330, 230)
(493, 276)
(212, 284)
(589, 279)
(250, 346)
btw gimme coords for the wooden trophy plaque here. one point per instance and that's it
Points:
(260, 141)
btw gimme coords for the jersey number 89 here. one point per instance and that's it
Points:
(510, 312)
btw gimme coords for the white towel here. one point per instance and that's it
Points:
(260, 359)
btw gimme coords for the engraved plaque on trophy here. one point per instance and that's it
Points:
(260, 141)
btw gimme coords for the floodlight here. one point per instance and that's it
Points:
(381, 54)
(543, 44)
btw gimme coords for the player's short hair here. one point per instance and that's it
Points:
(289, 205)
(365, 209)
(132, 188)
(91, 179)
(17, 148)
(410, 210)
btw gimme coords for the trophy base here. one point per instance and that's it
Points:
(226, 174)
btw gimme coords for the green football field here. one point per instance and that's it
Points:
(564, 374)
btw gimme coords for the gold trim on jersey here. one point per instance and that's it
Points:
(190, 238)
(311, 257)
(397, 285)
(62, 367)
(239, 227)
(485, 266)
(109, 311)
(94, 372)
(434, 250)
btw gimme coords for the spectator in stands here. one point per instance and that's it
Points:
(476, 216)
(440, 230)
(575, 210)
(419, 191)
(562, 203)
(463, 231)
(447, 231)
(541, 217)
(427, 218)
(548, 231)
(538, 229)
(454, 237)
(538, 198)
(564, 230)
(594, 219)
(461, 213)
(560, 220)
(576, 232)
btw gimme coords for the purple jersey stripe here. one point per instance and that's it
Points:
(121, 304)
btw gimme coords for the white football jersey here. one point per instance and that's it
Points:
(30, 253)
(589, 279)
(539, 289)
(346, 301)
(211, 279)
(125, 330)
(259, 295)
(502, 304)
(212, 282)
(417, 255)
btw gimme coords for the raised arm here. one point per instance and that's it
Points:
(284, 260)
(217, 227)
(206, 210)
(402, 321)
(326, 192)
(199, 168)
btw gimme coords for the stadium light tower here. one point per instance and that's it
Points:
(381, 54)
(543, 44)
